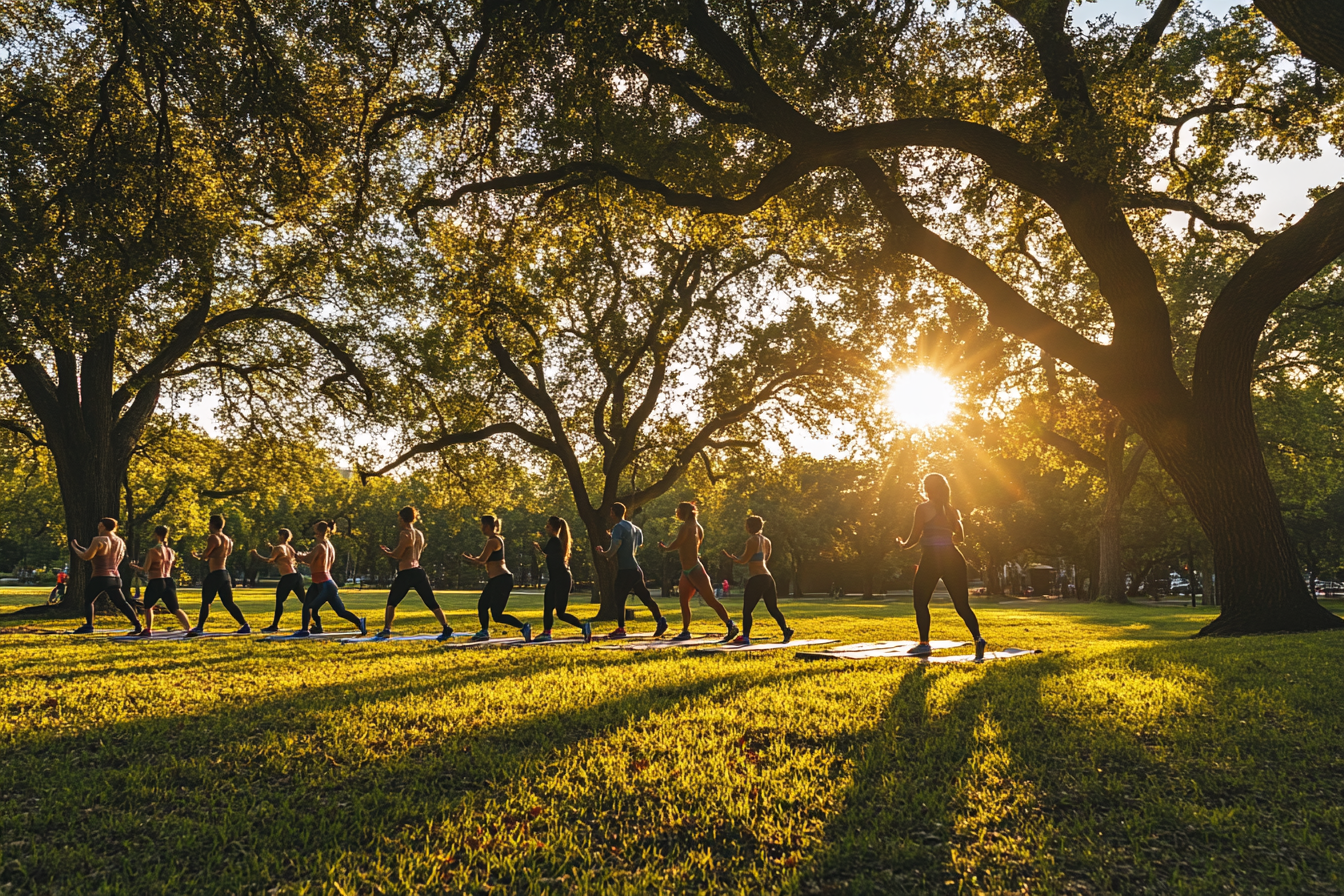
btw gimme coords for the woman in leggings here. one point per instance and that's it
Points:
(410, 574)
(495, 597)
(937, 526)
(559, 580)
(323, 590)
(158, 569)
(761, 585)
(291, 580)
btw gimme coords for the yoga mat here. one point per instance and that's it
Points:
(370, 639)
(876, 650)
(176, 635)
(1006, 653)
(98, 633)
(325, 636)
(577, 639)
(493, 642)
(762, 645)
(698, 641)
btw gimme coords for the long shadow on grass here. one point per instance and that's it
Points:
(243, 793)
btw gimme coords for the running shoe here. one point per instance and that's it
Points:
(85, 629)
(245, 629)
(193, 632)
(979, 649)
(614, 635)
(741, 641)
(788, 635)
(542, 638)
(144, 633)
(383, 635)
(445, 634)
(317, 627)
(270, 629)
(921, 649)
(363, 626)
(587, 630)
(732, 631)
(527, 632)
(481, 635)
(662, 627)
(684, 636)
(301, 633)
(135, 632)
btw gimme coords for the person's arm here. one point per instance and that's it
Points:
(480, 560)
(93, 550)
(136, 566)
(916, 529)
(403, 545)
(616, 541)
(958, 530)
(737, 559)
(682, 534)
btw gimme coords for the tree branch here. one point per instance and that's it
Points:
(1171, 203)
(462, 438)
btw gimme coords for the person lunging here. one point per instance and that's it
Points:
(323, 589)
(499, 584)
(291, 580)
(626, 540)
(217, 582)
(559, 580)
(105, 552)
(761, 585)
(410, 575)
(937, 526)
(158, 570)
(693, 575)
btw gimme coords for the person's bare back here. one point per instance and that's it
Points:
(411, 545)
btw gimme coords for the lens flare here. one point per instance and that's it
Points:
(921, 398)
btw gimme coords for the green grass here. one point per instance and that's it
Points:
(1127, 758)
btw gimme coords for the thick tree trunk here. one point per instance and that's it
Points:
(89, 492)
(604, 571)
(1110, 571)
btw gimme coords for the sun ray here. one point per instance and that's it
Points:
(921, 398)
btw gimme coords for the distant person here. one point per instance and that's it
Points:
(105, 552)
(284, 558)
(323, 589)
(937, 526)
(410, 575)
(499, 584)
(559, 579)
(693, 575)
(626, 540)
(761, 586)
(158, 570)
(218, 582)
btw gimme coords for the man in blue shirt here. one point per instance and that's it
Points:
(626, 540)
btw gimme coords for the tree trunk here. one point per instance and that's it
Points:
(1110, 572)
(89, 492)
(604, 570)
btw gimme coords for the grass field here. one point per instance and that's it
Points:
(1127, 758)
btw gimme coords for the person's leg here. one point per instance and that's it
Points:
(334, 598)
(118, 598)
(954, 577)
(641, 590)
(153, 592)
(209, 591)
(226, 598)
(751, 596)
(171, 602)
(625, 583)
(685, 590)
(282, 589)
(500, 600)
(700, 580)
(92, 591)
(564, 585)
(483, 607)
(771, 598)
(420, 582)
(926, 578)
(548, 601)
(311, 601)
(400, 586)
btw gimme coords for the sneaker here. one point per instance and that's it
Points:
(527, 632)
(194, 632)
(363, 626)
(270, 630)
(445, 634)
(684, 636)
(85, 629)
(788, 635)
(301, 633)
(482, 635)
(979, 649)
(732, 631)
(542, 638)
(135, 632)
(244, 629)
(383, 635)
(662, 627)
(741, 641)
(144, 633)
(587, 630)
(921, 649)
(317, 627)
(614, 635)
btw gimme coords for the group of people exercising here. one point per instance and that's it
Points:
(937, 526)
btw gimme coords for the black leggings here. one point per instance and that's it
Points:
(111, 586)
(320, 593)
(761, 588)
(414, 578)
(557, 599)
(218, 584)
(631, 581)
(162, 590)
(943, 562)
(494, 599)
(290, 583)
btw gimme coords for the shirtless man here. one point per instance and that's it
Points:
(158, 570)
(693, 575)
(323, 590)
(291, 582)
(410, 545)
(217, 583)
(105, 552)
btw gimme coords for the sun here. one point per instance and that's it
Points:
(921, 398)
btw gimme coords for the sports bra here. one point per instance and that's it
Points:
(497, 555)
(937, 536)
(759, 556)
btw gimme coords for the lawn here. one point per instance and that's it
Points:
(1126, 758)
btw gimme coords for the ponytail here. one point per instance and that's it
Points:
(561, 532)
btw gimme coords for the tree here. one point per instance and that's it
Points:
(619, 342)
(753, 107)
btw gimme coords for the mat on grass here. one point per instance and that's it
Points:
(324, 636)
(477, 645)
(876, 650)
(175, 635)
(762, 645)
(1006, 653)
(98, 633)
(401, 639)
(662, 643)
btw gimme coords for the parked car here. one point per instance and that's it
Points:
(1330, 589)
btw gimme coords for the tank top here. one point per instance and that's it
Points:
(935, 536)
(555, 557)
(106, 563)
(497, 555)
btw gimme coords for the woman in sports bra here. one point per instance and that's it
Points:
(495, 597)
(937, 527)
(761, 585)
(158, 569)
